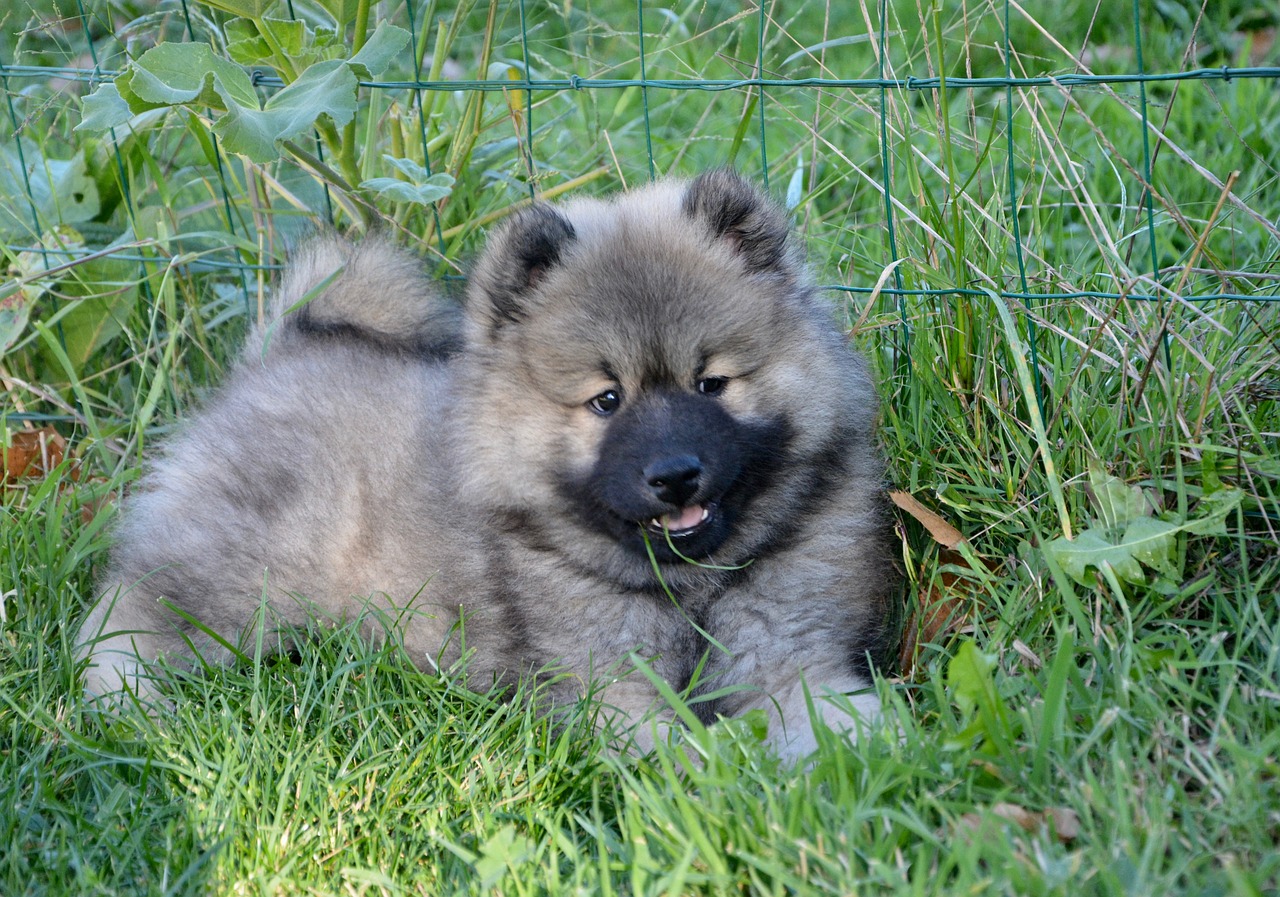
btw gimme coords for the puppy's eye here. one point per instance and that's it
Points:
(712, 386)
(606, 403)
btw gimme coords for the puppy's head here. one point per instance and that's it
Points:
(652, 369)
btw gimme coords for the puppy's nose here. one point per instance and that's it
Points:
(674, 480)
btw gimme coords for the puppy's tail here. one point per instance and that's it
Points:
(372, 290)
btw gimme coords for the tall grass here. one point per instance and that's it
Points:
(1063, 734)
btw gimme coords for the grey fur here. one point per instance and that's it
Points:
(646, 359)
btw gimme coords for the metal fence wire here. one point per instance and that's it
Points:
(933, 155)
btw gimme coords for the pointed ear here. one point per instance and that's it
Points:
(742, 215)
(515, 259)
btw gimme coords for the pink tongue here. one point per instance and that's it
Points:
(686, 518)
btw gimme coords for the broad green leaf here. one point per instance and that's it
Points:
(124, 87)
(73, 194)
(328, 88)
(421, 187)
(1152, 542)
(1091, 549)
(240, 29)
(250, 51)
(15, 311)
(96, 298)
(173, 74)
(1127, 539)
(32, 265)
(971, 678)
(343, 11)
(403, 191)
(505, 850)
(60, 190)
(249, 9)
(415, 172)
(180, 74)
(969, 674)
(386, 42)
(302, 43)
(104, 109)
(95, 321)
(289, 34)
(316, 13)
(1212, 511)
(1116, 502)
(757, 724)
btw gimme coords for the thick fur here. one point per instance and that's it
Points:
(623, 366)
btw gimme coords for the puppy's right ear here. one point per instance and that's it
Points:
(513, 263)
(738, 213)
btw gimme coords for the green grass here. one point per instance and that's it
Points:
(1091, 735)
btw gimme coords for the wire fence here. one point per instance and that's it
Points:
(933, 156)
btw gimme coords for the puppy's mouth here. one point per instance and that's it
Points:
(684, 522)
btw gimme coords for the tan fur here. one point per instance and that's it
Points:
(372, 449)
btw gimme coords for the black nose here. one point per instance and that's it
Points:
(674, 480)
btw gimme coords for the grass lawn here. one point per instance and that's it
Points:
(1078, 349)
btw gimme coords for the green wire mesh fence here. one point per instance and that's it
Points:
(935, 156)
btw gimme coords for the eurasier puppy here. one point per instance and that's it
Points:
(642, 439)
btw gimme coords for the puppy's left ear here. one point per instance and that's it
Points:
(741, 214)
(515, 260)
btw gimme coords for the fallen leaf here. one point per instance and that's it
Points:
(94, 500)
(33, 453)
(1260, 44)
(942, 609)
(1024, 651)
(1062, 821)
(925, 626)
(1066, 824)
(948, 601)
(1020, 816)
(967, 824)
(943, 532)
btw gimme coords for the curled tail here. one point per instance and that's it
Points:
(372, 290)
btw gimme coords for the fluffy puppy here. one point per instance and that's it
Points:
(642, 439)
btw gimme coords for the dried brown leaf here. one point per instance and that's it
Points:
(1020, 816)
(943, 532)
(937, 615)
(1261, 42)
(33, 453)
(1062, 821)
(93, 502)
(943, 608)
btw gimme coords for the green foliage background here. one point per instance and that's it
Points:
(1066, 277)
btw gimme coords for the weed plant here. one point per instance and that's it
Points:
(1047, 277)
